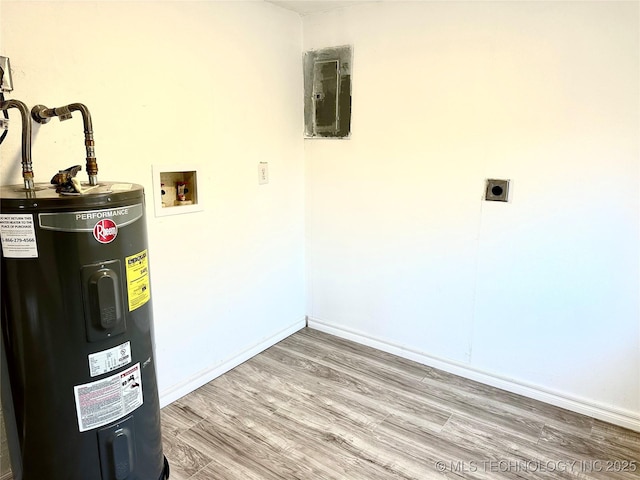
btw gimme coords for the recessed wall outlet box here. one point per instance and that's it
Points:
(263, 173)
(176, 189)
(497, 190)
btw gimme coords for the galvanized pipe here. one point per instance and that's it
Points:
(42, 114)
(27, 167)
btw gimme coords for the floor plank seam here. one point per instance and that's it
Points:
(211, 463)
(376, 425)
(540, 434)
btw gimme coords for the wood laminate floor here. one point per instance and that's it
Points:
(318, 407)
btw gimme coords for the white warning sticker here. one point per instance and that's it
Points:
(104, 401)
(109, 360)
(18, 236)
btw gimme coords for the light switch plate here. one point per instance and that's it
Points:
(263, 173)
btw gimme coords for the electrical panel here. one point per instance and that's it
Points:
(327, 92)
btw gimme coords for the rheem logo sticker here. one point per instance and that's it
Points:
(105, 231)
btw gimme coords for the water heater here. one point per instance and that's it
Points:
(79, 393)
(77, 335)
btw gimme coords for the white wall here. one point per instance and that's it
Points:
(215, 84)
(539, 295)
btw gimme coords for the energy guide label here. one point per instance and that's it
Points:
(18, 236)
(138, 289)
(109, 360)
(108, 400)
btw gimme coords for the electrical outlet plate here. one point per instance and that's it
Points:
(497, 190)
(7, 82)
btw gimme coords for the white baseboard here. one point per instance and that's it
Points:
(621, 417)
(203, 377)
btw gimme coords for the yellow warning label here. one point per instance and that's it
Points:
(138, 280)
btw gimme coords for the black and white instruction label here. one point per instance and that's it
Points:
(104, 401)
(109, 360)
(18, 236)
